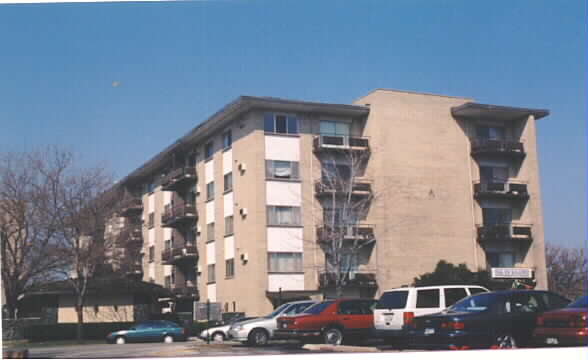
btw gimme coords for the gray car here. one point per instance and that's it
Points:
(259, 331)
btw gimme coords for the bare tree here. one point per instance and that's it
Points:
(345, 195)
(566, 270)
(28, 226)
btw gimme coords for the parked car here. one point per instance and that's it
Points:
(334, 321)
(149, 331)
(397, 307)
(259, 331)
(502, 319)
(220, 332)
(565, 326)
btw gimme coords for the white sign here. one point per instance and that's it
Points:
(512, 273)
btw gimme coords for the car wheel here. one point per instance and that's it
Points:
(258, 337)
(505, 341)
(218, 337)
(120, 340)
(333, 336)
(168, 339)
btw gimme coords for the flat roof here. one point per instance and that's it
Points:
(496, 112)
(229, 113)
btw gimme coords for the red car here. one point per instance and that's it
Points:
(565, 326)
(333, 321)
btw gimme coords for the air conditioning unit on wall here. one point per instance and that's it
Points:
(243, 211)
(242, 167)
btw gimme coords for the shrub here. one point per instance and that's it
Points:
(67, 331)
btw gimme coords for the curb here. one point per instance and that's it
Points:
(340, 348)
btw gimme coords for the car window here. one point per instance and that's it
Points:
(453, 295)
(580, 303)
(476, 290)
(367, 307)
(554, 301)
(477, 303)
(277, 311)
(524, 302)
(296, 309)
(428, 298)
(318, 308)
(393, 300)
(350, 307)
(141, 326)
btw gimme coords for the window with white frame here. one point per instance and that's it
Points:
(277, 169)
(284, 262)
(339, 128)
(228, 182)
(283, 215)
(210, 232)
(151, 253)
(211, 273)
(230, 268)
(280, 123)
(210, 191)
(228, 225)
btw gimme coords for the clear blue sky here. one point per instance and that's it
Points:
(177, 63)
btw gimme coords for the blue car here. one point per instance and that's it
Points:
(149, 331)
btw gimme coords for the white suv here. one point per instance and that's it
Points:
(398, 307)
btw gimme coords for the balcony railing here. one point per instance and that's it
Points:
(178, 177)
(358, 232)
(178, 215)
(131, 234)
(187, 252)
(357, 279)
(131, 207)
(340, 142)
(513, 191)
(188, 290)
(360, 187)
(505, 232)
(513, 149)
(135, 269)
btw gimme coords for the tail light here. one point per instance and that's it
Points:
(540, 320)
(579, 321)
(453, 325)
(408, 318)
(184, 331)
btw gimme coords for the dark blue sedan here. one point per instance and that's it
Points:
(501, 319)
(149, 331)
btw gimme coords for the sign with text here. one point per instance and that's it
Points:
(512, 273)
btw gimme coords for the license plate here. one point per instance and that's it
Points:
(388, 318)
(551, 341)
(429, 331)
(284, 325)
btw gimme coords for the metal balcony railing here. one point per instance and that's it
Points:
(353, 279)
(513, 149)
(178, 177)
(360, 187)
(505, 190)
(357, 232)
(178, 215)
(131, 207)
(341, 142)
(175, 255)
(505, 232)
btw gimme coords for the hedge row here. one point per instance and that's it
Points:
(92, 331)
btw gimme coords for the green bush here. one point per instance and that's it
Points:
(92, 331)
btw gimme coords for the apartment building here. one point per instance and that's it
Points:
(238, 211)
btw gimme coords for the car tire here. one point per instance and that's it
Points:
(218, 337)
(505, 341)
(333, 336)
(258, 337)
(120, 340)
(168, 339)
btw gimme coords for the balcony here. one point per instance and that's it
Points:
(178, 215)
(185, 291)
(135, 269)
(505, 232)
(357, 280)
(340, 142)
(360, 187)
(362, 233)
(131, 234)
(502, 148)
(496, 190)
(180, 254)
(179, 177)
(131, 207)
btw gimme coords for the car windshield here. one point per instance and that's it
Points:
(277, 311)
(476, 303)
(580, 303)
(318, 308)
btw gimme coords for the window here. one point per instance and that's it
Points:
(490, 132)
(281, 124)
(493, 174)
(351, 307)
(208, 151)
(496, 216)
(167, 281)
(338, 217)
(228, 225)
(453, 295)
(211, 274)
(393, 300)
(296, 308)
(283, 215)
(210, 191)
(227, 140)
(499, 260)
(230, 268)
(228, 182)
(151, 253)
(151, 222)
(334, 128)
(553, 301)
(168, 244)
(332, 172)
(476, 290)
(276, 169)
(285, 262)
(210, 232)
(427, 298)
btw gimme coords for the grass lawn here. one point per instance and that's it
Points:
(23, 344)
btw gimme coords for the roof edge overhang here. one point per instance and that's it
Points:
(229, 113)
(473, 110)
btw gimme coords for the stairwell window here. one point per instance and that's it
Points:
(496, 216)
(490, 132)
(276, 169)
(283, 216)
(284, 262)
(280, 123)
